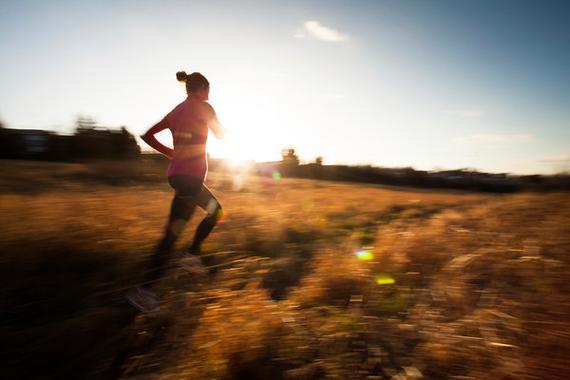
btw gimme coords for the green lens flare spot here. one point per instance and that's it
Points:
(276, 176)
(364, 255)
(385, 279)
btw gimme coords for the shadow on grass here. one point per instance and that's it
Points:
(53, 322)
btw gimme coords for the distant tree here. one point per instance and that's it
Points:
(94, 141)
(125, 144)
(315, 170)
(84, 124)
(290, 158)
(290, 162)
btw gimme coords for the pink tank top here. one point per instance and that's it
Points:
(189, 123)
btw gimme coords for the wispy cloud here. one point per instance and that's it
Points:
(466, 113)
(559, 159)
(495, 138)
(316, 30)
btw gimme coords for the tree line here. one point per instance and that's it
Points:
(89, 141)
(461, 179)
(92, 141)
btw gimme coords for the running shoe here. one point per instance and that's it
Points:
(143, 299)
(191, 263)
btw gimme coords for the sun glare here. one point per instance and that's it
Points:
(237, 151)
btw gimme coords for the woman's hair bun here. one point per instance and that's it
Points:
(181, 76)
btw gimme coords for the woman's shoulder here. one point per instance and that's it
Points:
(209, 109)
(203, 108)
(179, 107)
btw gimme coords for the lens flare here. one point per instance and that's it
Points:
(276, 176)
(385, 279)
(364, 255)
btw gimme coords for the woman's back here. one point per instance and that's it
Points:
(189, 122)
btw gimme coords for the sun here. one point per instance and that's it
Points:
(237, 152)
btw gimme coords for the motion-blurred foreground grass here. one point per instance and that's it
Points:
(309, 280)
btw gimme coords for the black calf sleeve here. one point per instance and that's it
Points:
(204, 229)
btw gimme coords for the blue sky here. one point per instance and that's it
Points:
(425, 83)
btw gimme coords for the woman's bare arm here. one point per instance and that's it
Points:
(215, 125)
(218, 130)
(149, 138)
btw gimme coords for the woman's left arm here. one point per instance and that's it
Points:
(149, 138)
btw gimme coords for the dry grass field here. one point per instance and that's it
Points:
(308, 280)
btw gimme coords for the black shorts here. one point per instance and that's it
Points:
(193, 190)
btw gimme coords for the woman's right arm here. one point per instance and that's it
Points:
(214, 123)
(149, 138)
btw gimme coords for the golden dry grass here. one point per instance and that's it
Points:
(454, 285)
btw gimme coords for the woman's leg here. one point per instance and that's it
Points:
(207, 201)
(181, 211)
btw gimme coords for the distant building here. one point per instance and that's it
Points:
(25, 143)
(35, 141)
(37, 144)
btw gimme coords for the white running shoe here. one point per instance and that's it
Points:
(143, 299)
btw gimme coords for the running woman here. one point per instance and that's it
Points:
(189, 123)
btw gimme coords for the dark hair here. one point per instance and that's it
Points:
(194, 81)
